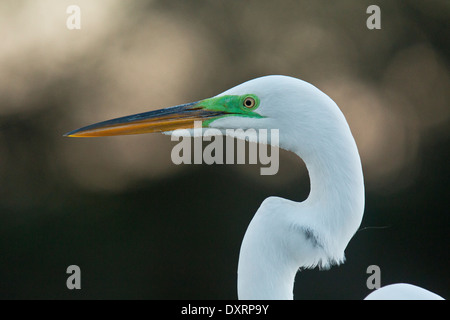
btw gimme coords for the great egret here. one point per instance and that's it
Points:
(284, 235)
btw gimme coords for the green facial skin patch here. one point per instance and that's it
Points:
(242, 106)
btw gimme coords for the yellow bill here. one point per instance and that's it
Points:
(169, 119)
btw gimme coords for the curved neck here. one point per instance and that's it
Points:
(336, 195)
(284, 236)
(335, 205)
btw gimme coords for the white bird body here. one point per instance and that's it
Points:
(284, 235)
(402, 291)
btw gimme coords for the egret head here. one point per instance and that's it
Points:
(270, 102)
(241, 108)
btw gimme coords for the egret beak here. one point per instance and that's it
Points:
(169, 119)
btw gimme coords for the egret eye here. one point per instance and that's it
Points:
(249, 102)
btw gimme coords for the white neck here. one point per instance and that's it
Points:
(285, 236)
(336, 199)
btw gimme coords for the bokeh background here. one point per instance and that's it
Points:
(141, 227)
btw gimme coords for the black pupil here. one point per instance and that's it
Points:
(248, 102)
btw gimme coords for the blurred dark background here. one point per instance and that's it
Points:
(140, 227)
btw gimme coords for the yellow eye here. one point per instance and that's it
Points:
(249, 102)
